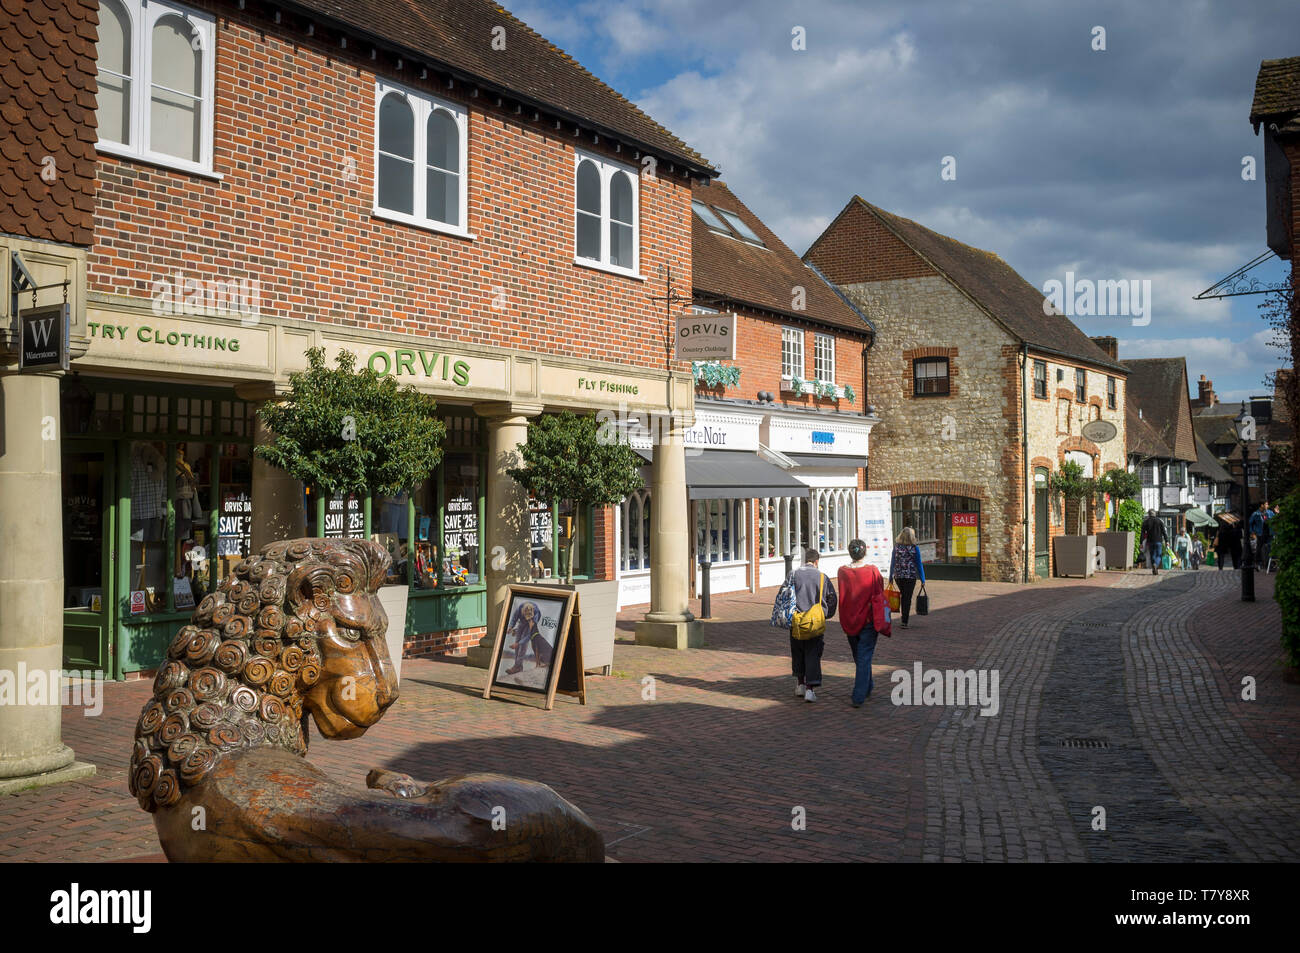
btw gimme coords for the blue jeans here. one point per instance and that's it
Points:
(862, 646)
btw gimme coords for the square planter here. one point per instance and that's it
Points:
(393, 599)
(1074, 555)
(598, 602)
(1118, 547)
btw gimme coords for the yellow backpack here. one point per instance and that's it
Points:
(812, 623)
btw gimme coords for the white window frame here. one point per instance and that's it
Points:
(730, 516)
(606, 168)
(422, 106)
(794, 338)
(823, 352)
(142, 16)
(632, 513)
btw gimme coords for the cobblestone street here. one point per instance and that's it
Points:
(1123, 692)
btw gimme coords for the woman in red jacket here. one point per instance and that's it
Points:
(862, 614)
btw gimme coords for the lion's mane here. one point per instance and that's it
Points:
(235, 676)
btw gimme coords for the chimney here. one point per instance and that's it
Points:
(1205, 396)
(1108, 344)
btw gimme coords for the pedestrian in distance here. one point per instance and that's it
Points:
(1223, 544)
(1153, 540)
(1183, 547)
(1237, 535)
(864, 615)
(814, 603)
(1261, 534)
(905, 568)
(1198, 551)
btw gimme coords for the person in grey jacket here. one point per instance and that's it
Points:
(806, 654)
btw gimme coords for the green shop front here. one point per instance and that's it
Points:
(161, 488)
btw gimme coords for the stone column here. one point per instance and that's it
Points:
(669, 623)
(278, 510)
(506, 541)
(32, 753)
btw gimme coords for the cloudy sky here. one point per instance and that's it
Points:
(1122, 163)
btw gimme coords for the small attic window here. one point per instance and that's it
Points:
(710, 219)
(739, 227)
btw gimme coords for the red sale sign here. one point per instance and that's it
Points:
(965, 519)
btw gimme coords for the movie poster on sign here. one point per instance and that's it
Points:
(528, 652)
(875, 526)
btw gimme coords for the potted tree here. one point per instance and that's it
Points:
(568, 458)
(1073, 552)
(343, 430)
(1120, 540)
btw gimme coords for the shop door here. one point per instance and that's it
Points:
(88, 594)
(1041, 567)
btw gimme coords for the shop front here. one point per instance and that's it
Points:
(163, 494)
(829, 453)
(947, 531)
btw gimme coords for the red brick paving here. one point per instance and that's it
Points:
(710, 770)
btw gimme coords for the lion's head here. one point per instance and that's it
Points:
(295, 629)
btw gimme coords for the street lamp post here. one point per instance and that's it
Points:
(1248, 564)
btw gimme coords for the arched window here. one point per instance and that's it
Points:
(420, 159)
(443, 156)
(175, 98)
(588, 207)
(156, 79)
(634, 520)
(396, 154)
(620, 220)
(605, 214)
(115, 76)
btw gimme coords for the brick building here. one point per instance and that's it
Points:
(433, 187)
(47, 189)
(982, 389)
(778, 452)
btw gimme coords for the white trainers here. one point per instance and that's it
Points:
(799, 689)
(810, 696)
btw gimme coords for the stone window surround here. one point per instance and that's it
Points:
(911, 355)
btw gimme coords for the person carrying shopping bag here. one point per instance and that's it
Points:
(863, 615)
(814, 603)
(905, 568)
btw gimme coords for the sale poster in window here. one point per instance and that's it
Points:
(965, 535)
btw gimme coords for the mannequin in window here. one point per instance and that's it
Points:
(148, 491)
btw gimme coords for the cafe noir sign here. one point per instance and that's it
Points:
(705, 337)
(43, 337)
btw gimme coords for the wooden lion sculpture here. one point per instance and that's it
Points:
(219, 749)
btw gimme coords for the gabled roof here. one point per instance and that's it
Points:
(997, 288)
(765, 278)
(1140, 438)
(1215, 428)
(1157, 386)
(1207, 465)
(459, 34)
(1277, 93)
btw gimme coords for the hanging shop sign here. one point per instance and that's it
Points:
(1171, 495)
(43, 335)
(705, 337)
(965, 533)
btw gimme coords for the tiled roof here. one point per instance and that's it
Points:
(1277, 91)
(1158, 387)
(998, 289)
(47, 119)
(1139, 436)
(459, 35)
(1207, 465)
(1216, 428)
(745, 274)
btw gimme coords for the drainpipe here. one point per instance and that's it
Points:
(1024, 450)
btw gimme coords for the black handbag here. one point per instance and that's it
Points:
(923, 602)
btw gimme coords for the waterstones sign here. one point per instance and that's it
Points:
(44, 333)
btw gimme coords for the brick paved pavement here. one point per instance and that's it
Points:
(713, 767)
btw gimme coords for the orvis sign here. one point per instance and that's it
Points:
(43, 337)
(706, 337)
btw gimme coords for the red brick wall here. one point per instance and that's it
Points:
(432, 644)
(291, 112)
(841, 251)
(758, 355)
(603, 561)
